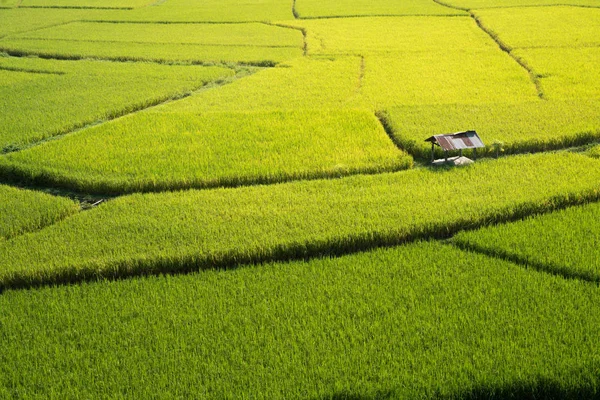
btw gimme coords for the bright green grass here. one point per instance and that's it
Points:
(565, 73)
(480, 4)
(247, 43)
(209, 11)
(25, 210)
(152, 151)
(305, 83)
(544, 26)
(444, 78)
(8, 3)
(191, 230)
(393, 35)
(565, 242)
(422, 60)
(532, 126)
(594, 152)
(333, 8)
(20, 20)
(420, 321)
(81, 92)
(87, 3)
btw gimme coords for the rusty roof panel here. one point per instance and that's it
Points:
(457, 141)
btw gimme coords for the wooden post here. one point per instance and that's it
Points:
(446, 155)
(460, 153)
(475, 154)
(432, 152)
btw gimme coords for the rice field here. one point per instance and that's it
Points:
(563, 243)
(54, 97)
(25, 211)
(353, 8)
(233, 199)
(522, 127)
(156, 151)
(251, 43)
(370, 325)
(153, 233)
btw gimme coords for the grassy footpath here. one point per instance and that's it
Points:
(421, 321)
(24, 210)
(190, 230)
(532, 126)
(153, 152)
(565, 242)
(60, 96)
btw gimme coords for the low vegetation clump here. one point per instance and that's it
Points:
(44, 98)
(532, 126)
(25, 210)
(154, 151)
(190, 230)
(564, 242)
(370, 325)
(248, 43)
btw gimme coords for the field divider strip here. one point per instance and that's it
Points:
(334, 247)
(37, 29)
(80, 8)
(160, 43)
(556, 270)
(382, 16)
(295, 28)
(31, 71)
(63, 57)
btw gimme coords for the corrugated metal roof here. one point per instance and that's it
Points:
(457, 141)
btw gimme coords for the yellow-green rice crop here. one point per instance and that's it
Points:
(423, 60)
(304, 83)
(152, 151)
(75, 93)
(210, 11)
(248, 43)
(413, 322)
(480, 4)
(20, 20)
(333, 8)
(531, 126)
(8, 3)
(190, 230)
(25, 210)
(565, 73)
(86, 3)
(544, 26)
(594, 152)
(444, 78)
(565, 242)
(394, 35)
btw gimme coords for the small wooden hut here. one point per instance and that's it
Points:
(455, 141)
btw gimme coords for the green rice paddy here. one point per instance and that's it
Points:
(234, 199)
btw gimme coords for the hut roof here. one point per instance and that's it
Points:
(457, 141)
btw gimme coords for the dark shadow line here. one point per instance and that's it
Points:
(551, 269)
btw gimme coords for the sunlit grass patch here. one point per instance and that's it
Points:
(530, 126)
(333, 8)
(392, 35)
(544, 26)
(210, 11)
(75, 93)
(152, 151)
(564, 242)
(258, 43)
(191, 230)
(87, 3)
(304, 83)
(25, 210)
(565, 73)
(378, 322)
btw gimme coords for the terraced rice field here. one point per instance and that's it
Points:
(233, 199)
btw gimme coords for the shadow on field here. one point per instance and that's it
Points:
(543, 390)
